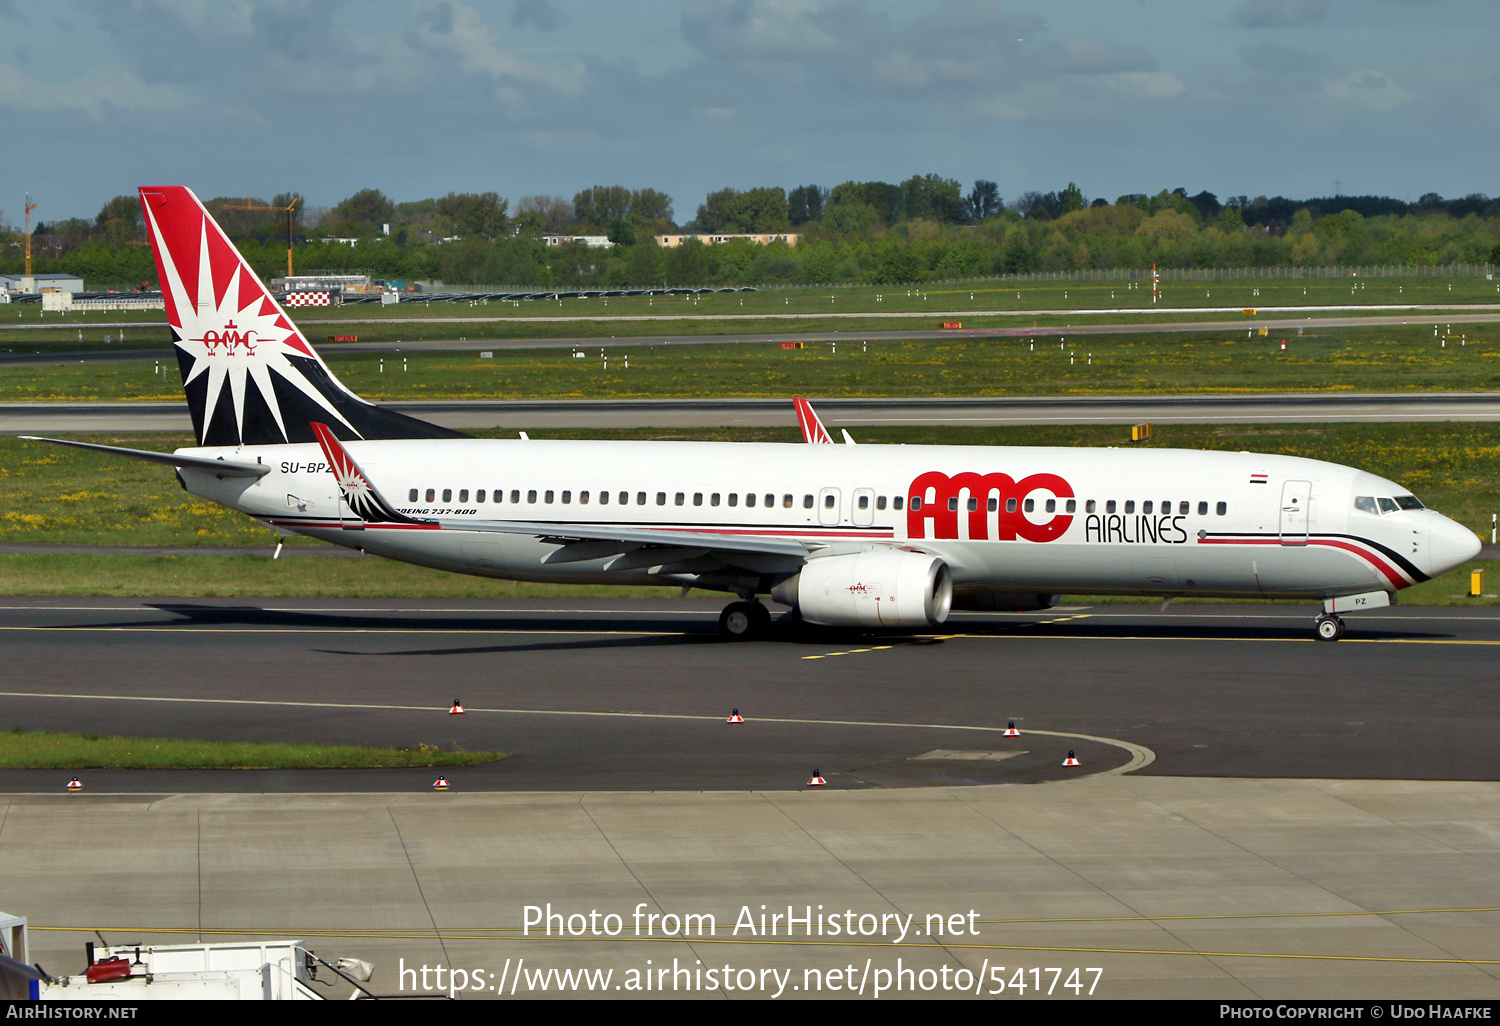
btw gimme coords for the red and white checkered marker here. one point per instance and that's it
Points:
(440, 784)
(458, 708)
(307, 299)
(815, 780)
(75, 784)
(1011, 730)
(1071, 760)
(735, 717)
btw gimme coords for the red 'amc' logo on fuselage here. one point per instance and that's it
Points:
(937, 497)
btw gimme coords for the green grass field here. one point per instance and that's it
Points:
(1385, 359)
(23, 749)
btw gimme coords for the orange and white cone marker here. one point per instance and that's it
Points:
(458, 708)
(735, 717)
(815, 780)
(440, 784)
(1071, 760)
(1011, 730)
(75, 784)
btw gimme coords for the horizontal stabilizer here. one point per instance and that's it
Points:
(222, 467)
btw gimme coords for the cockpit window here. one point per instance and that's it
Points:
(1408, 502)
(1366, 504)
(1387, 505)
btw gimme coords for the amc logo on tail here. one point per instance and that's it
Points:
(936, 501)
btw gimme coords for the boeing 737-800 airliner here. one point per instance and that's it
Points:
(853, 535)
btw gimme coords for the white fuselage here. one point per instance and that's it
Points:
(1006, 520)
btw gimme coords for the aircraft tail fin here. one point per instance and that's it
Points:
(251, 377)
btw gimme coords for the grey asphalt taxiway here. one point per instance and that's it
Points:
(589, 695)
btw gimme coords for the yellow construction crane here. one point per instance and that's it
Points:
(248, 205)
(30, 206)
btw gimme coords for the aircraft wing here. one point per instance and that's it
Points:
(222, 467)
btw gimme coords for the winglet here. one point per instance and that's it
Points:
(812, 428)
(358, 490)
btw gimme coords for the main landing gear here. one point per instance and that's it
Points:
(742, 620)
(1330, 627)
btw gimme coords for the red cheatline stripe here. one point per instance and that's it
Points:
(562, 529)
(1392, 574)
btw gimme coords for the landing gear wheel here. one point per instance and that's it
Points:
(1330, 628)
(741, 620)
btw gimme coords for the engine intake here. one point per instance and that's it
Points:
(879, 588)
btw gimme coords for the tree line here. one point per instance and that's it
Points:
(924, 228)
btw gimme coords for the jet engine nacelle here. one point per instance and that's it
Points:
(879, 588)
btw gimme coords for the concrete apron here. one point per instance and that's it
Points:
(1173, 887)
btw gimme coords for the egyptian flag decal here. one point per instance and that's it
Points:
(1259, 478)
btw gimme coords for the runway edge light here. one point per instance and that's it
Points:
(440, 784)
(1011, 731)
(735, 717)
(75, 784)
(1071, 760)
(815, 780)
(458, 708)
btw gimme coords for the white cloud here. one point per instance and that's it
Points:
(456, 28)
(92, 94)
(1371, 90)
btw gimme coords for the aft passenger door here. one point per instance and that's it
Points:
(828, 507)
(1295, 498)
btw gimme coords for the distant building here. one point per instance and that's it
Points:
(592, 241)
(41, 283)
(762, 238)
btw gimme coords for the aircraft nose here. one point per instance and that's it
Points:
(1449, 544)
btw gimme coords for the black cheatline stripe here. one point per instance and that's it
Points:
(1395, 557)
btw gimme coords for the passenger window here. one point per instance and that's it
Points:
(640, 498)
(771, 501)
(463, 495)
(1129, 505)
(953, 504)
(864, 502)
(531, 495)
(1051, 505)
(1203, 509)
(786, 501)
(1388, 505)
(604, 497)
(549, 495)
(678, 499)
(698, 499)
(1166, 506)
(993, 504)
(807, 501)
(916, 502)
(661, 498)
(828, 501)
(749, 498)
(734, 498)
(1222, 508)
(447, 494)
(1029, 505)
(1146, 507)
(1010, 505)
(412, 496)
(1072, 505)
(479, 495)
(1109, 506)
(880, 502)
(713, 500)
(1366, 504)
(583, 497)
(973, 504)
(567, 497)
(1088, 507)
(1183, 507)
(431, 495)
(515, 495)
(896, 503)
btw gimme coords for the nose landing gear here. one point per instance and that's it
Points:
(1330, 628)
(742, 620)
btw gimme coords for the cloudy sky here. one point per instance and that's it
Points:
(422, 97)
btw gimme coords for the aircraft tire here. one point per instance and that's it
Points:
(1330, 628)
(741, 621)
